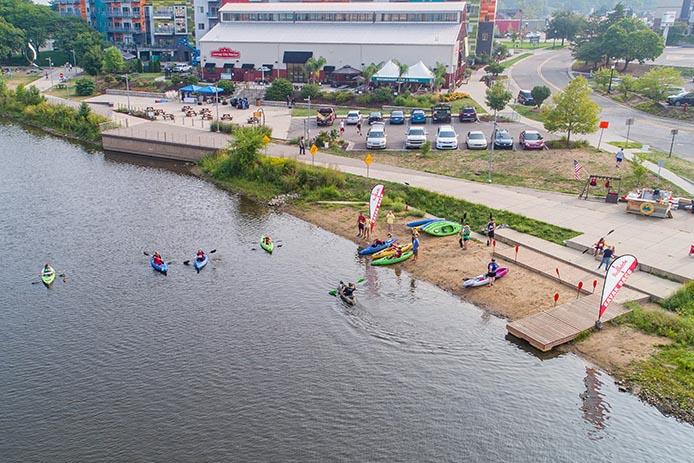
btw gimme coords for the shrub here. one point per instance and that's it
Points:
(602, 78)
(223, 127)
(364, 100)
(342, 97)
(382, 95)
(454, 96)
(495, 69)
(279, 90)
(154, 66)
(682, 301)
(425, 148)
(310, 91)
(227, 85)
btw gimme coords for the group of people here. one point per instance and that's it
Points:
(607, 252)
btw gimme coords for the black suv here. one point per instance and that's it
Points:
(441, 113)
(525, 97)
(682, 98)
(468, 115)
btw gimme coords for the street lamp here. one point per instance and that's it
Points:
(127, 90)
(609, 87)
(491, 151)
(308, 120)
(74, 60)
(216, 100)
(673, 132)
(50, 69)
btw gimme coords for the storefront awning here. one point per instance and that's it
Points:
(228, 66)
(210, 65)
(268, 67)
(296, 57)
(347, 71)
(247, 66)
(328, 69)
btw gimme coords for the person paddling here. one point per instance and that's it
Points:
(267, 240)
(200, 255)
(156, 258)
(492, 267)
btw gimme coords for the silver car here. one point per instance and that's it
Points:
(416, 136)
(376, 138)
(476, 140)
(353, 118)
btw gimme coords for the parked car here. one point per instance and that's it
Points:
(415, 137)
(476, 140)
(182, 67)
(682, 98)
(531, 140)
(325, 116)
(525, 97)
(468, 114)
(446, 138)
(353, 118)
(441, 113)
(418, 116)
(397, 117)
(375, 116)
(376, 138)
(502, 139)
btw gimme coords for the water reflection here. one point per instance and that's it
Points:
(593, 405)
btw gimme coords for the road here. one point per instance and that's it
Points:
(552, 69)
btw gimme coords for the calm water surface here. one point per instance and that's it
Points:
(251, 360)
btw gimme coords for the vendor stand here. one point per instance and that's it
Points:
(650, 202)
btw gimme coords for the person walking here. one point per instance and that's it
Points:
(342, 128)
(464, 236)
(361, 225)
(491, 227)
(390, 220)
(415, 246)
(359, 127)
(619, 157)
(606, 257)
(302, 146)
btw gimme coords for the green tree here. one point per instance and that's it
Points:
(402, 70)
(313, 67)
(279, 90)
(244, 150)
(227, 86)
(638, 170)
(655, 83)
(83, 43)
(84, 111)
(91, 60)
(84, 86)
(627, 85)
(113, 61)
(12, 40)
(37, 21)
(565, 25)
(498, 97)
(310, 90)
(369, 72)
(572, 110)
(540, 93)
(495, 69)
(630, 39)
(601, 77)
(439, 72)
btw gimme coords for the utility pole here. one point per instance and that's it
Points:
(50, 69)
(216, 101)
(672, 143)
(491, 151)
(630, 122)
(127, 90)
(308, 120)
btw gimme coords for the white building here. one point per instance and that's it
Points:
(281, 37)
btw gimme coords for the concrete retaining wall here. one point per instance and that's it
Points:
(157, 149)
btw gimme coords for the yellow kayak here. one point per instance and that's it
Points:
(389, 252)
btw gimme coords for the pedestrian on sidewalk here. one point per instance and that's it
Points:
(491, 227)
(619, 157)
(302, 146)
(361, 225)
(359, 127)
(289, 102)
(464, 236)
(390, 220)
(606, 257)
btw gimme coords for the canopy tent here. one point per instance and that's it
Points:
(345, 71)
(390, 72)
(419, 73)
(200, 90)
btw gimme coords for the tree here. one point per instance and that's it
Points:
(565, 25)
(244, 150)
(439, 72)
(279, 90)
(638, 170)
(601, 77)
(402, 70)
(572, 110)
(540, 93)
(12, 39)
(84, 86)
(313, 66)
(655, 83)
(495, 69)
(369, 72)
(310, 90)
(91, 60)
(498, 97)
(113, 61)
(628, 84)
(84, 111)
(227, 86)
(631, 40)
(84, 42)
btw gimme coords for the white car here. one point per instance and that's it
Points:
(476, 140)
(376, 138)
(353, 118)
(416, 137)
(182, 67)
(446, 138)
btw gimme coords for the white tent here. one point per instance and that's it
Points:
(419, 73)
(388, 73)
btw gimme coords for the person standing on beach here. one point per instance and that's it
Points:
(361, 225)
(619, 157)
(464, 236)
(491, 226)
(302, 146)
(492, 267)
(606, 257)
(415, 246)
(390, 220)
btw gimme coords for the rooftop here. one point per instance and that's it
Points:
(346, 33)
(380, 7)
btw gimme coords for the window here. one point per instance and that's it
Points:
(227, 17)
(201, 9)
(201, 26)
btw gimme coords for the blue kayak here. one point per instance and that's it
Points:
(377, 247)
(420, 222)
(200, 264)
(163, 268)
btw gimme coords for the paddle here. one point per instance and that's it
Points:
(608, 234)
(358, 282)
(61, 275)
(187, 262)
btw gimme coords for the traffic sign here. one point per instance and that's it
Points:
(604, 124)
(313, 149)
(368, 159)
(266, 139)
(630, 121)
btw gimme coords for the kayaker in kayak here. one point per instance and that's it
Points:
(348, 290)
(267, 241)
(47, 269)
(200, 255)
(156, 258)
(492, 267)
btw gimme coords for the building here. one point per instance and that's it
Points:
(80, 8)
(167, 32)
(272, 40)
(121, 22)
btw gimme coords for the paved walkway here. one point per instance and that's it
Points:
(658, 243)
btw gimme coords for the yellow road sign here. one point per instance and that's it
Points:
(368, 159)
(313, 150)
(266, 139)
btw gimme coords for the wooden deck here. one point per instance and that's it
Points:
(563, 323)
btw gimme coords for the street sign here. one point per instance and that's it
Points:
(368, 159)
(661, 162)
(266, 139)
(604, 124)
(630, 121)
(313, 149)
(674, 131)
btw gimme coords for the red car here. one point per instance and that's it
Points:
(531, 140)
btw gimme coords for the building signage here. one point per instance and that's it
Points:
(226, 53)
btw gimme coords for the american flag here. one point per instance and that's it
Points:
(577, 170)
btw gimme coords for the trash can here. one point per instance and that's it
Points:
(612, 198)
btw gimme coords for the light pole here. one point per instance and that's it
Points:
(308, 120)
(629, 122)
(216, 101)
(672, 143)
(127, 90)
(491, 151)
(74, 60)
(609, 87)
(50, 69)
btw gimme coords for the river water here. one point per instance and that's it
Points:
(251, 360)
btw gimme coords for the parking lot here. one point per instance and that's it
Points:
(396, 134)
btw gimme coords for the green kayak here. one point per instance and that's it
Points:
(47, 276)
(443, 228)
(268, 247)
(392, 260)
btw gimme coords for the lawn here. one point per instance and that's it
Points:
(625, 145)
(530, 112)
(511, 61)
(304, 112)
(18, 78)
(679, 166)
(528, 46)
(67, 91)
(543, 170)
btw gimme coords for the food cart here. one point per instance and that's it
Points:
(650, 202)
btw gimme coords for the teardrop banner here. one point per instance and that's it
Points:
(375, 204)
(617, 274)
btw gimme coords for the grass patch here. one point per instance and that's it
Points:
(67, 91)
(625, 145)
(304, 112)
(679, 166)
(507, 63)
(530, 112)
(19, 78)
(528, 46)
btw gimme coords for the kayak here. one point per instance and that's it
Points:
(374, 248)
(393, 259)
(346, 299)
(48, 276)
(483, 279)
(161, 268)
(423, 222)
(267, 247)
(443, 228)
(390, 251)
(200, 264)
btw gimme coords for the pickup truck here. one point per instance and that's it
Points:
(441, 113)
(325, 116)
